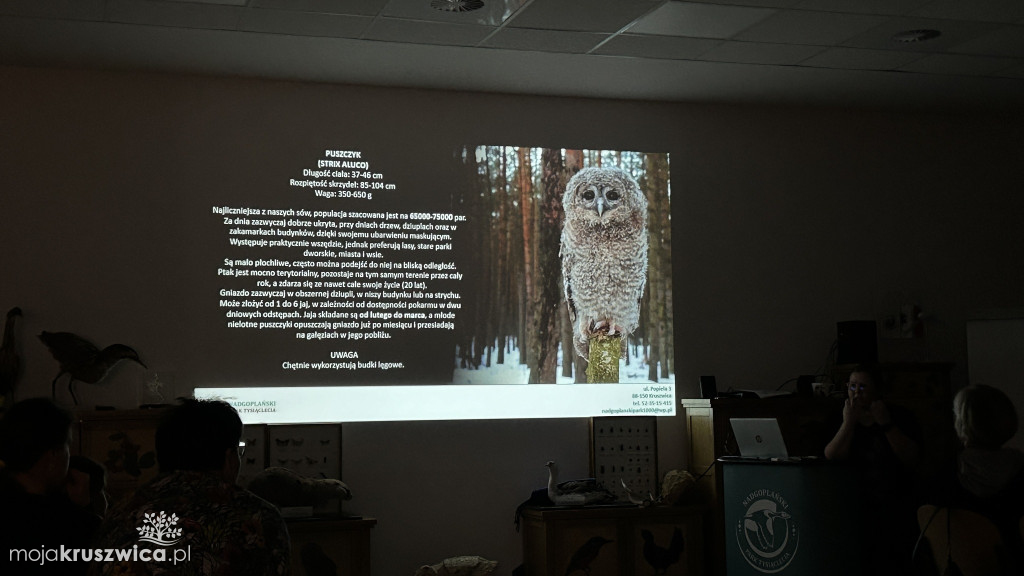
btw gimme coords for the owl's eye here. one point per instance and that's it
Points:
(613, 195)
(588, 195)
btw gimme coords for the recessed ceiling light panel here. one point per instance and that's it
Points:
(456, 5)
(908, 36)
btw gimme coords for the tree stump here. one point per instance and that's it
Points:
(605, 352)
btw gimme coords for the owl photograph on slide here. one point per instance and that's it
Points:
(568, 266)
(604, 254)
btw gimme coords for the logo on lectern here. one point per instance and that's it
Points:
(767, 534)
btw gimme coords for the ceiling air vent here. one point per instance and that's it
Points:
(456, 5)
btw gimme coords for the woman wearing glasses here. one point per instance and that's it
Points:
(873, 430)
(879, 441)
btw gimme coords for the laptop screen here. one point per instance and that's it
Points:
(759, 437)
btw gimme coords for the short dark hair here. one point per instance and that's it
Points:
(196, 434)
(30, 429)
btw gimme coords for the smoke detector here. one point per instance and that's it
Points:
(456, 5)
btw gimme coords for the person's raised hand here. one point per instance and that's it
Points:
(880, 412)
(851, 412)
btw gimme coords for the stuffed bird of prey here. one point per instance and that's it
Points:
(83, 361)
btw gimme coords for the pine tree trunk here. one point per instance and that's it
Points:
(525, 183)
(549, 265)
(568, 350)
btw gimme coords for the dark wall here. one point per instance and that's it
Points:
(785, 222)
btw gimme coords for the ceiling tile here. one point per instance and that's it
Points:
(1006, 41)
(545, 40)
(663, 47)
(959, 65)
(582, 15)
(953, 32)
(884, 7)
(699, 20)
(219, 2)
(438, 33)
(174, 14)
(983, 10)
(756, 3)
(861, 59)
(304, 23)
(803, 27)
(74, 9)
(356, 7)
(1012, 72)
(760, 53)
(493, 13)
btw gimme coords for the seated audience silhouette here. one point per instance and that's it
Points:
(193, 518)
(990, 475)
(36, 516)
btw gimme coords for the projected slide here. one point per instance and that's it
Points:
(347, 272)
(356, 292)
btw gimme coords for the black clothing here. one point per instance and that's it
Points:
(34, 526)
(886, 495)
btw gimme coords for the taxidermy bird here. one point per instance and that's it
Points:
(83, 361)
(661, 558)
(585, 555)
(459, 566)
(575, 492)
(10, 363)
(286, 488)
(604, 254)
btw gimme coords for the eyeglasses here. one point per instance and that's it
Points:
(241, 449)
(856, 386)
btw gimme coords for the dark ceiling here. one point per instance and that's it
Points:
(806, 52)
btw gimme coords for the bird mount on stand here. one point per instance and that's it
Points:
(605, 351)
(83, 361)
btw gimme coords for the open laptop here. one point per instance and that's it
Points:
(759, 438)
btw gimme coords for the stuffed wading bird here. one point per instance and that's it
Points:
(83, 361)
(575, 492)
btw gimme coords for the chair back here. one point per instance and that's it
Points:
(968, 538)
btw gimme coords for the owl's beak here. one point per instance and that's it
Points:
(600, 206)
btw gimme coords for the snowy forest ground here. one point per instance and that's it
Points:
(512, 372)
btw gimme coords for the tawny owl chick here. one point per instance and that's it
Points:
(604, 253)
